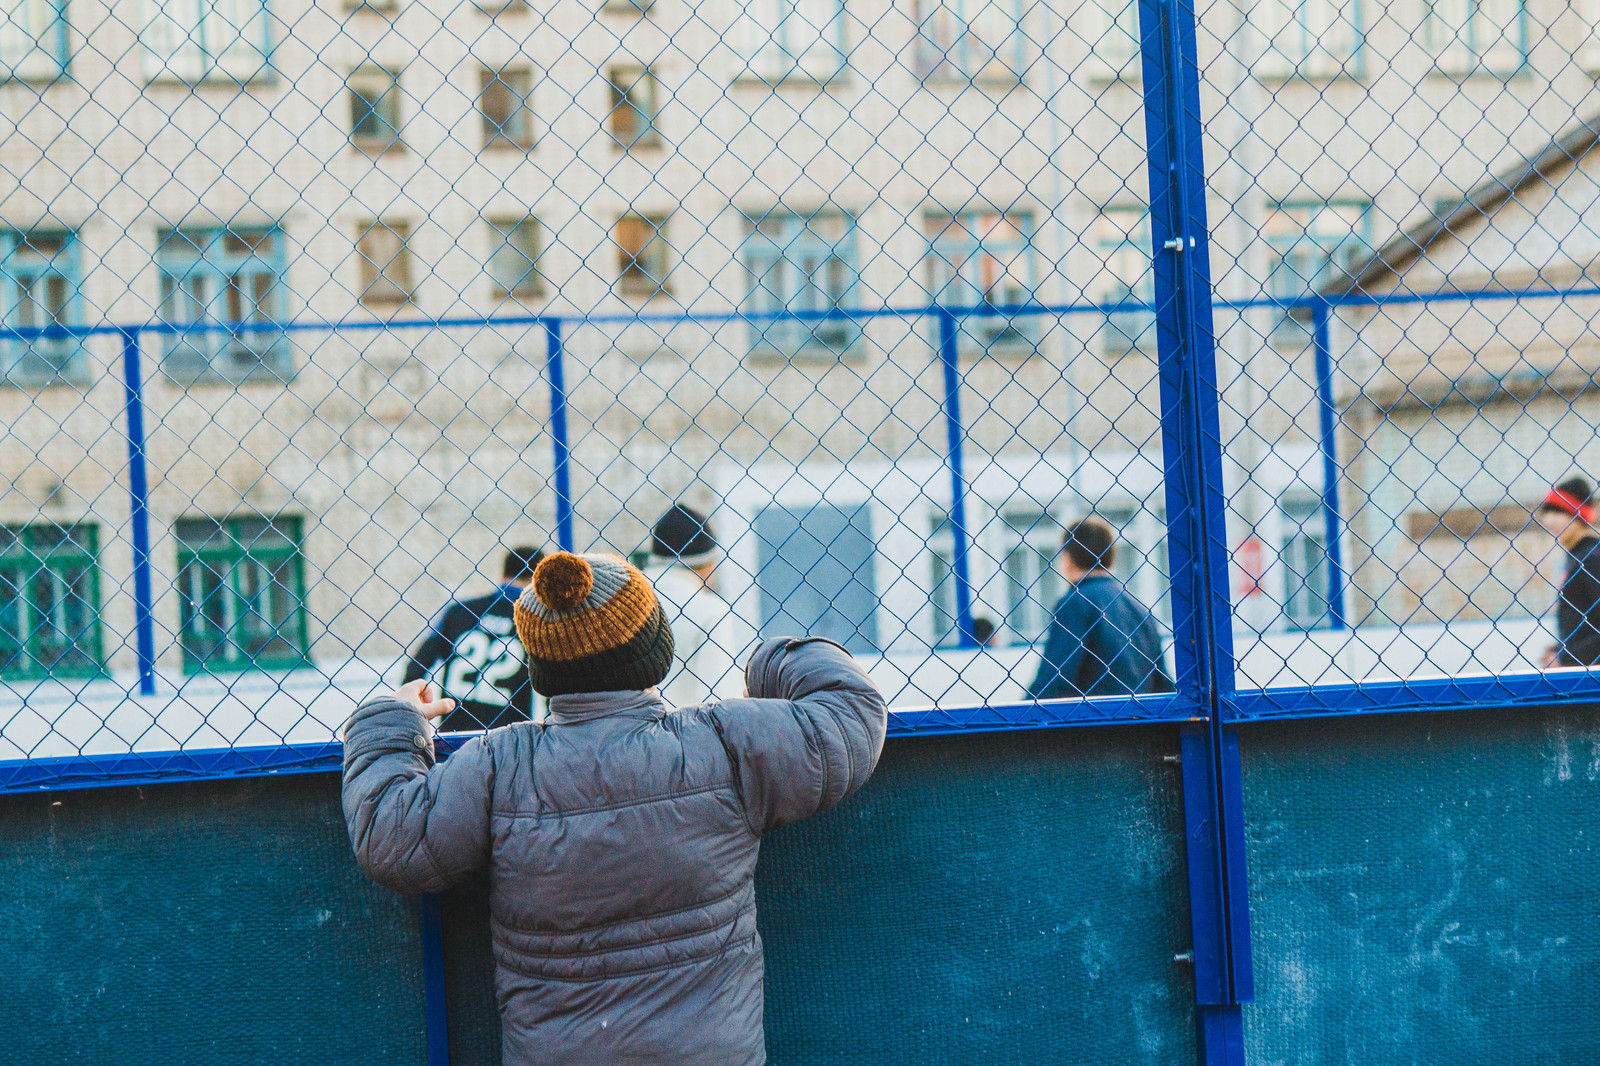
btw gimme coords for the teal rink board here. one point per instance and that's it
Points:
(1425, 889)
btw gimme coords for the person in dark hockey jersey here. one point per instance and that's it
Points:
(472, 654)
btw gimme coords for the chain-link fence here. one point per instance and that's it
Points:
(312, 313)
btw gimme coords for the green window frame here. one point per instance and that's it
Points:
(50, 601)
(241, 592)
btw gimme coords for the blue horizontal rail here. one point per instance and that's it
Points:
(735, 317)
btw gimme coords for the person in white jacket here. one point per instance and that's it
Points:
(710, 638)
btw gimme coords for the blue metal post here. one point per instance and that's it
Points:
(558, 433)
(1320, 314)
(954, 439)
(435, 1013)
(1197, 525)
(139, 516)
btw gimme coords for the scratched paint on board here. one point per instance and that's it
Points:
(1422, 889)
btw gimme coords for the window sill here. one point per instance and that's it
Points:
(790, 79)
(1480, 73)
(819, 354)
(519, 298)
(191, 668)
(1354, 75)
(378, 149)
(505, 146)
(380, 8)
(37, 79)
(267, 79)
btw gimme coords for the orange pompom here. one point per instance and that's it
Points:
(562, 581)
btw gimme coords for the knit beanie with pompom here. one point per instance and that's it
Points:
(591, 623)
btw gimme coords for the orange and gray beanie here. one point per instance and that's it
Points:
(591, 623)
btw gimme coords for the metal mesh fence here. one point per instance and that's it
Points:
(312, 312)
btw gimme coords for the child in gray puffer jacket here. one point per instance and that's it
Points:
(621, 836)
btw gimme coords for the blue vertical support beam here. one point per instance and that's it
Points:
(554, 361)
(1321, 313)
(1197, 533)
(955, 439)
(139, 513)
(435, 1014)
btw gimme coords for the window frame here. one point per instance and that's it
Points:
(1454, 52)
(800, 244)
(501, 239)
(375, 144)
(495, 135)
(1301, 521)
(623, 101)
(949, 49)
(988, 335)
(224, 562)
(781, 44)
(370, 272)
(1310, 59)
(193, 57)
(1117, 245)
(1094, 23)
(631, 266)
(20, 553)
(48, 55)
(221, 272)
(66, 265)
(1291, 327)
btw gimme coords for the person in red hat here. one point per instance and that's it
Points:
(1569, 517)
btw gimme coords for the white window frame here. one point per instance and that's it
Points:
(962, 254)
(1124, 244)
(1108, 33)
(792, 265)
(973, 40)
(1304, 236)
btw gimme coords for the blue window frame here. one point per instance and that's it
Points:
(39, 285)
(1309, 38)
(33, 40)
(971, 39)
(202, 40)
(801, 263)
(1476, 36)
(984, 259)
(223, 276)
(783, 39)
(1310, 243)
(1123, 241)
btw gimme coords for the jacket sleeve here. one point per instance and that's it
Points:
(417, 825)
(1064, 646)
(1579, 613)
(810, 734)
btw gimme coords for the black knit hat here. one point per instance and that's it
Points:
(683, 534)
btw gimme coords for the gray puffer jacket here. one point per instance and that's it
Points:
(621, 840)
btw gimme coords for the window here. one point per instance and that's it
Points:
(219, 278)
(1311, 38)
(383, 252)
(802, 264)
(240, 586)
(968, 39)
(1304, 558)
(505, 102)
(941, 548)
(632, 122)
(514, 263)
(1109, 29)
(33, 39)
(38, 289)
(641, 255)
(1310, 245)
(628, 7)
(984, 260)
(793, 38)
(49, 601)
(815, 574)
(195, 40)
(1123, 237)
(1467, 36)
(374, 109)
(1033, 584)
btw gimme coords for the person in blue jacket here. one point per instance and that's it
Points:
(1101, 641)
